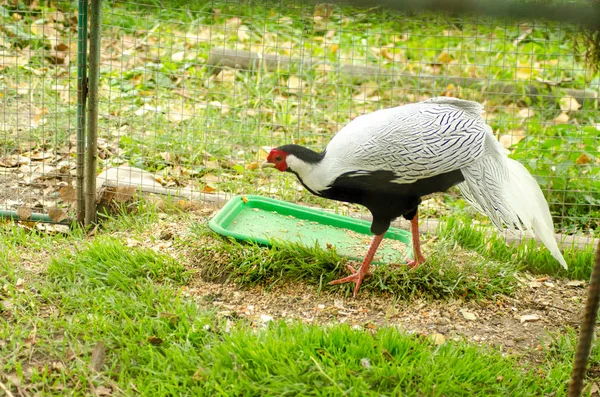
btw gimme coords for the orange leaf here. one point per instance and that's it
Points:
(208, 189)
(583, 159)
(445, 58)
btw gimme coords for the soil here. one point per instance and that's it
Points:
(520, 324)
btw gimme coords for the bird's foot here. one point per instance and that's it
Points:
(413, 264)
(356, 277)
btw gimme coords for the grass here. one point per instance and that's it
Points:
(447, 274)
(525, 256)
(101, 298)
(162, 110)
(67, 301)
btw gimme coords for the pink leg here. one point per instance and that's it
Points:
(357, 276)
(416, 241)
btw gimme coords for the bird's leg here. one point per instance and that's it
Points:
(416, 242)
(358, 275)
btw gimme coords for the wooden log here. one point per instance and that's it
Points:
(250, 61)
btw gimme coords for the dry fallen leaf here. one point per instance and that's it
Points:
(367, 91)
(178, 56)
(234, 22)
(451, 91)
(508, 140)
(294, 84)
(67, 193)
(103, 391)
(569, 104)
(529, 318)
(525, 113)
(62, 47)
(583, 159)
(392, 54)
(52, 229)
(524, 72)
(58, 57)
(562, 118)
(208, 188)
(41, 154)
(155, 340)
(98, 355)
(123, 194)
(445, 58)
(24, 213)
(225, 76)
(14, 161)
(210, 178)
(468, 315)
(242, 33)
(199, 375)
(323, 10)
(57, 215)
(576, 283)
(437, 339)
(263, 152)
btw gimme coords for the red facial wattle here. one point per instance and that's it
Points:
(277, 157)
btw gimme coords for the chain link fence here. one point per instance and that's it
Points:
(191, 97)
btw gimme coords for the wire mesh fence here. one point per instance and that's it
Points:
(192, 96)
(38, 47)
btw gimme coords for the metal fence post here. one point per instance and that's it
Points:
(92, 125)
(82, 33)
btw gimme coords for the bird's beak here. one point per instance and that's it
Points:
(266, 164)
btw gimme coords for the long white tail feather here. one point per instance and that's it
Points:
(529, 203)
(506, 192)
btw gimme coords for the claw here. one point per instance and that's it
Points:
(414, 263)
(356, 277)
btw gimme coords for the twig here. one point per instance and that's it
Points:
(8, 392)
(556, 307)
(183, 94)
(144, 41)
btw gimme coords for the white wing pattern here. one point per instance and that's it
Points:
(414, 141)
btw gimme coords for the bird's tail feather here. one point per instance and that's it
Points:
(505, 191)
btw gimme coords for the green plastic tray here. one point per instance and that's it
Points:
(261, 219)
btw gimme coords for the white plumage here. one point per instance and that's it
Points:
(430, 138)
(387, 160)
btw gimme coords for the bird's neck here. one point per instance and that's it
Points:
(310, 167)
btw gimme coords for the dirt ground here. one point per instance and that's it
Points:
(518, 325)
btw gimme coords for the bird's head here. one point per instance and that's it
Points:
(303, 162)
(277, 158)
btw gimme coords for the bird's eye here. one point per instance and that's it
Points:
(277, 158)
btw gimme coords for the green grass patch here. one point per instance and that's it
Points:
(526, 256)
(158, 343)
(447, 273)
